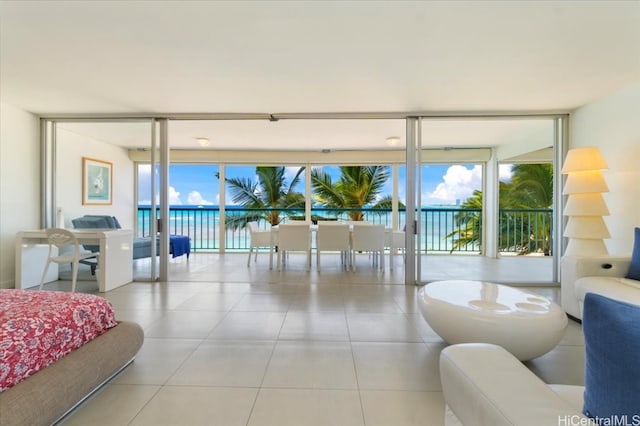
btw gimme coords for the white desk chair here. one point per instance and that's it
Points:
(61, 239)
(294, 236)
(333, 236)
(259, 238)
(368, 238)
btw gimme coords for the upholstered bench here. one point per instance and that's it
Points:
(178, 245)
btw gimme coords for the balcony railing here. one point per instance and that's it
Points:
(443, 230)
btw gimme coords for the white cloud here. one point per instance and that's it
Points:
(504, 172)
(458, 183)
(195, 198)
(174, 196)
(144, 170)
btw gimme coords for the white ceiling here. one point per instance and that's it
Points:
(317, 135)
(157, 57)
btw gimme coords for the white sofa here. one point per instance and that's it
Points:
(484, 385)
(601, 275)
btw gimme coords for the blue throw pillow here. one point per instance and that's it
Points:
(634, 269)
(612, 371)
(88, 222)
(102, 221)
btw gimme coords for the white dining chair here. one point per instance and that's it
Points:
(259, 238)
(397, 244)
(64, 248)
(294, 236)
(333, 236)
(357, 222)
(368, 238)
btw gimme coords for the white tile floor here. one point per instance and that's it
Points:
(226, 345)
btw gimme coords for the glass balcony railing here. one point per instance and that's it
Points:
(443, 230)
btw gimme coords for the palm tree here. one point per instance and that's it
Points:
(266, 194)
(357, 187)
(531, 187)
(467, 223)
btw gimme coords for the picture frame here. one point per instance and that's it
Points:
(97, 182)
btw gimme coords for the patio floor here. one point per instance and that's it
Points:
(517, 270)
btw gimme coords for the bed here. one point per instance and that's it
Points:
(56, 349)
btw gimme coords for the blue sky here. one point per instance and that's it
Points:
(196, 184)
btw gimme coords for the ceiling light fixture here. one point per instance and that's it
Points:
(393, 140)
(203, 141)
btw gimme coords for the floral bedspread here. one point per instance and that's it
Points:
(40, 327)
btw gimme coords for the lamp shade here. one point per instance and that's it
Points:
(591, 204)
(578, 247)
(585, 206)
(585, 182)
(586, 227)
(583, 159)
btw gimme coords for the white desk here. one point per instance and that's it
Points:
(115, 263)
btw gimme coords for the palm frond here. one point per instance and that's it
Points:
(295, 180)
(327, 194)
(243, 192)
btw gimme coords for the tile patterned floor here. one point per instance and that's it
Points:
(250, 347)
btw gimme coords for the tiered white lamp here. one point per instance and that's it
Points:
(585, 206)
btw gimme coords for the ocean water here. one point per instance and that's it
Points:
(201, 224)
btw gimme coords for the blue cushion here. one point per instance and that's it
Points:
(109, 220)
(634, 269)
(99, 222)
(612, 371)
(116, 223)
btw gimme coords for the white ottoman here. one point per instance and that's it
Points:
(525, 324)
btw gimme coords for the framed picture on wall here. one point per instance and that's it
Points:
(97, 179)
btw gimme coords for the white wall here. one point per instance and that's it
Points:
(71, 147)
(613, 124)
(19, 183)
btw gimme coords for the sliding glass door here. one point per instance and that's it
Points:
(92, 174)
(484, 199)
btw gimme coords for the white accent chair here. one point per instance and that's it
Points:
(333, 236)
(603, 275)
(484, 385)
(60, 241)
(259, 238)
(368, 238)
(294, 236)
